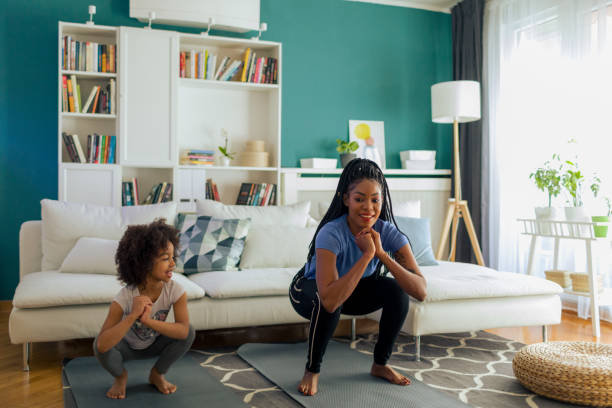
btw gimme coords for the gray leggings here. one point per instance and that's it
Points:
(168, 349)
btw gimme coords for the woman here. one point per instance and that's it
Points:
(342, 273)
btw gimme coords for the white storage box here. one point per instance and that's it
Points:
(417, 155)
(318, 163)
(419, 164)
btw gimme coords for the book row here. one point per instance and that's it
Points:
(211, 190)
(204, 65)
(101, 99)
(88, 56)
(100, 148)
(257, 194)
(130, 193)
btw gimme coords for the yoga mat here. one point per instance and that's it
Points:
(86, 383)
(345, 378)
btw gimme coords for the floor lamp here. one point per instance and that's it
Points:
(456, 102)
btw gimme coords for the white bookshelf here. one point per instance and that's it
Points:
(87, 182)
(159, 115)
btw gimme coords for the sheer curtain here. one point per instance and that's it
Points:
(547, 79)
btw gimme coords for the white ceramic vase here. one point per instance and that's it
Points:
(578, 214)
(548, 214)
(224, 161)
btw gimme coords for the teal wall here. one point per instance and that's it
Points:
(342, 60)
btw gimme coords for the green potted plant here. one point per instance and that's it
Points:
(601, 221)
(346, 150)
(548, 180)
(224, 160)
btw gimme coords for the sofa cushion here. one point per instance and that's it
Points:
(276, 247)
(410, 208)
(296, 214)
(252, 282)
(63, 223)
(456, 280)
(54, 288)
(209, 243)
(91, 255)
(418, 233)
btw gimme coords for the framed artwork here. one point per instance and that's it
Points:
(370, 135)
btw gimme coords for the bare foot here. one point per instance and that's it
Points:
(387, 373)
(309, 383)
(160, 382)
(117, 391)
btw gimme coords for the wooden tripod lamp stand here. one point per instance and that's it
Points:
(456, 102)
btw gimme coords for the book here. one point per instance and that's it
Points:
(65, 107)
(112, 149)
(243, 194)
(167, 194)
(135, 189)
(215, 192)
(222, 67)
(243, 76)
(95, 101)
(68, 145)
(113, 96)
(70, 96)
(79, 150)
(92, 94)
(75, 92)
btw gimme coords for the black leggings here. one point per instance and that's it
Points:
(371, 294)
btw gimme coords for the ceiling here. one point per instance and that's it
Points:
(434, 5)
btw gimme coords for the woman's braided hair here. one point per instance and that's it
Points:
(354, 172)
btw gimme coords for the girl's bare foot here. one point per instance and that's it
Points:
(309, 384)
(117, 391)
(387, 373)
(160, 382)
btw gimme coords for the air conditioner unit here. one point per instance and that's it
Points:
(230, 15)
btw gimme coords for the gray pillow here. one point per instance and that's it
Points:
(418, 232)
(209, 244)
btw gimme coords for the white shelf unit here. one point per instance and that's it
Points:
(575, 230)
(248, 111)
(159, 114)
(86, 182)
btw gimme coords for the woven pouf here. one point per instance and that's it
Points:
(577, 372)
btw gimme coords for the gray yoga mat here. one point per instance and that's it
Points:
(345, 378)
(86, 383)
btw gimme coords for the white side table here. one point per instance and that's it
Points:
(571, 230)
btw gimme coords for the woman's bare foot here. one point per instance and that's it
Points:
(160, 382)
(117, 390)
(309, 383)
(387, 373)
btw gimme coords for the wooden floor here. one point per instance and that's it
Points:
(41, 387)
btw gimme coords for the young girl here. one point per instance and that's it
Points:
(342, 274)
(135, 326)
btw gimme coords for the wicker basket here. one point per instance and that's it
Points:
(575, 372)
(580, 282)
(562, 278)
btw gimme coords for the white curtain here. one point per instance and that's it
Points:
(547, 79)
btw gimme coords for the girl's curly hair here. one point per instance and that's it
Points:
(139, 247)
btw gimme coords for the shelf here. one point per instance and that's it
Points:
(88, 115)
(605, 296)
(196, 40)
(214, 84)
(227, 168)
(90, 166)
(388, 172)
(88, 30)
(87, 74)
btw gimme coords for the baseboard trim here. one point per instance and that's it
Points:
(6, 305)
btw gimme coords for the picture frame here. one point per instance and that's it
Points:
(362, 130)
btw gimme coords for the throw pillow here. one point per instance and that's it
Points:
(410, 208)
(145, 214)
(295, 214)
(209, 244)
(276, 247)
(418, 232)
(63, 223)
(91, 255)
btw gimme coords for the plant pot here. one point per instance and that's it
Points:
(346, 158)
(601, 225)
(578, 214)
(224, 161)
(548, 214)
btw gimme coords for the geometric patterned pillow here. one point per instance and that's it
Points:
(209, 244)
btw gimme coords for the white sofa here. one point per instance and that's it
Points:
(52, 306)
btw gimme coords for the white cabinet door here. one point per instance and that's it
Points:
(191, 186)
(147, 68)
(90, 185)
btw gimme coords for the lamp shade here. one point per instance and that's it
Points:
(455, 100)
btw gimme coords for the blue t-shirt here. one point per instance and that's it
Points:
(336, 237)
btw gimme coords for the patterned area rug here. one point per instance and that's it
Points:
(475, 367)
